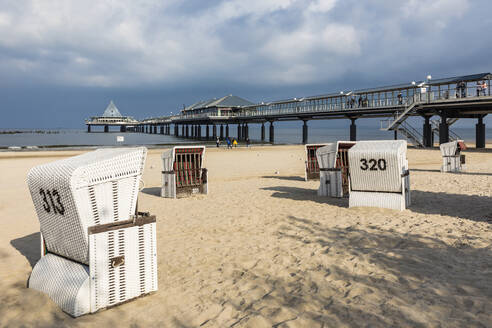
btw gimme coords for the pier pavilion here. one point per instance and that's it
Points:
(112, 117)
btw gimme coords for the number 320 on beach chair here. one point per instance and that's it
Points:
(183, 172)
(379, 175)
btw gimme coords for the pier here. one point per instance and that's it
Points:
(440, 102)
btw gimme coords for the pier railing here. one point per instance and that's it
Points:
(395, 98)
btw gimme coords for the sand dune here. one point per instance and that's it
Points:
(262, 249)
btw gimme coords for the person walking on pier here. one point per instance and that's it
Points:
(479, 88)
(400, 99)
(484, 88)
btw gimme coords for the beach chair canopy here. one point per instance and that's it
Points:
(327, 155)
(452, 148)
(73, 194)
(169, 156)
(377, 165)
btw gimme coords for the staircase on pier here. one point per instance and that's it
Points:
(400, 125)
(453, 136)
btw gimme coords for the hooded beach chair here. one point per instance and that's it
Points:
(312, 167)
(333, 168)
(96, 251)
(183, 171)
(379, 175)
(452, 160)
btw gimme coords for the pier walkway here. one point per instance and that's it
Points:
(448, 99)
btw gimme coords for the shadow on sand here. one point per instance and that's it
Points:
(304, 194)
(29, 247)
(280, 177)
(457, 173)
(153, 191)
(369, 277)
(476, 208)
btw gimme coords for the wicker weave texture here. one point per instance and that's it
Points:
(312, 166)
(329, 157)
(72, 194)
(449, 148)
(330, 184)
(168, 189)
(452, 164)
(183, 170)
(451, 161)
(136, 276)
(377, 165)
(394, 201)
(66, 282)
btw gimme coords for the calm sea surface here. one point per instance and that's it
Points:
(283, 135)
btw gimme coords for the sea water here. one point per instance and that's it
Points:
(283, 134)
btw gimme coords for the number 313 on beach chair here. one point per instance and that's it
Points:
(379, 175)
(96, 251)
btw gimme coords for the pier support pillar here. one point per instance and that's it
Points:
(187, 131)
(353, 130)
(162, 129)
(214, 131)
(395, 134)
(183, 133)
(207, 132)
(88, 128)
(239, 132)
(155, 129)
(199, 132)
(106, 128)
(262, 131)
(176, 130)
(123, 128)
(304, 132)
(272, 133)
(221, 132)
(227, 130)
(443, 129)
(480, 133)
(246, 131)
(428, 134)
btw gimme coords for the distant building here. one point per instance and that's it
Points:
(225, 106)
(111, 116)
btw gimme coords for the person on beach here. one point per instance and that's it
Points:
(247, 142)
(234, 142)
(229, 145)
(217, 142)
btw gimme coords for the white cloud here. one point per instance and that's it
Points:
(130, 42)
(322, 6)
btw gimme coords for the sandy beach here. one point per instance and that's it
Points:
(263, 250)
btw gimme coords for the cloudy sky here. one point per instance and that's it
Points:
(62, 61)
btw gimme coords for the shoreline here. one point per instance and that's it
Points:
(208, 144)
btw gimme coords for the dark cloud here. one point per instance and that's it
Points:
(62, 61)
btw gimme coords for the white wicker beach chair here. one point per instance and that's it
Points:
(312, 166)
(452, 160)
(96, 252)
(183, 171)
(333, 168)
(379, 175)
